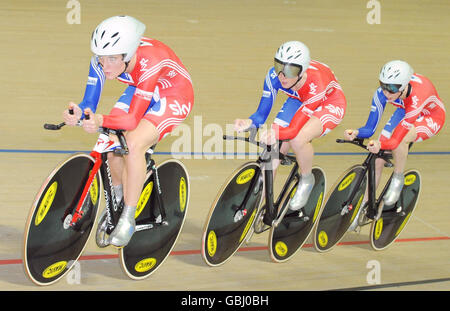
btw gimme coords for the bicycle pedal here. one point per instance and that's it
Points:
(346, 209)
(144, 227)
(239, 215)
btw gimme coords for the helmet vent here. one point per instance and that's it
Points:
(103, 33)
(105, 45)
(114, 35)
(115, 41)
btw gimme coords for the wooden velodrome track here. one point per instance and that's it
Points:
(228, 47)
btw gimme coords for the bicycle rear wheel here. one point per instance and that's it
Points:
(149, 248)
(51, 246)
(333, 222)
(394, 218)
(232, 214)
(288, 237)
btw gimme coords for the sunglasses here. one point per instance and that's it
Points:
(391, 88)
(289, 70)
(110, 59)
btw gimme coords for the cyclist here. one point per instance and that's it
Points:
(159, 96)
(420, 114)
(315, 105)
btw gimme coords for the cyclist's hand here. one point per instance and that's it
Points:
(268, 137)
(92, 124)
(72, 119)
(350, 134)
(374, 146)
(242, 124)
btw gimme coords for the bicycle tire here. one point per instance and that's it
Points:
(290, 235)
(385, 230)
(332, 226)
(148, 249)
(222, 236)
(51, 247)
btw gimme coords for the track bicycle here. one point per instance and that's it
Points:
(62, 216)
(237, 211)
(346, 197)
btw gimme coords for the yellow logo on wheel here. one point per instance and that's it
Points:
(245, 176)
(347, 181)
(247, 226)
(211, 243)
(410, 179)
(281, 248)
(46, 203)
(54, 269)
(403, 224)
(378, 229)
(145, 264)
(318, 205)
(93, 191)
(322, 238)
(143, 199)
(183, 194)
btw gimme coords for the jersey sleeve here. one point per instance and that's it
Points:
(139, 103)
(94, 87)
(401, 130)
(129, 121)
(270, 90)
(312, 94)
(376, 111)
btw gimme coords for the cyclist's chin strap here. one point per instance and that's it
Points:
(298, 80)
(126, 66)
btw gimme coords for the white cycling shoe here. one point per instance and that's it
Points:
(126, 226)
(395, 189)
(302, 193)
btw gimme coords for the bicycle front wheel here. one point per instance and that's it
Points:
(232, 214)
(149, 248)
(288, 237)
(394, 219)
(337, 218)
(51, 246)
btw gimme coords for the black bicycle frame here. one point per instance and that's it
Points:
(114, 209)
(265, 159)
(369, 169)
(271, 206)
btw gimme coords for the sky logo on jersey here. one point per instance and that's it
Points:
(312, 88)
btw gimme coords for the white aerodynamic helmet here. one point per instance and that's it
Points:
(117, 35)
(395, 76)
(292, 58)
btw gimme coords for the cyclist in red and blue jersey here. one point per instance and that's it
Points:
(420, 115)
(159, 96)
(315, 105)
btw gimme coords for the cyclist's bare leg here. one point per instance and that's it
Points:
(133, 177)
(304, 153)
(400, 155)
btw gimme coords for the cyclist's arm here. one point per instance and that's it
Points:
(376, 111)
(138, 106)
(271, 86)
(94, 87)
(300, 118)
(400, 131)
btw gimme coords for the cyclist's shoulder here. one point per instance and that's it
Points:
(154, 50)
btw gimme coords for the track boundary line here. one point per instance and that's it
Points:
(6, 262)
